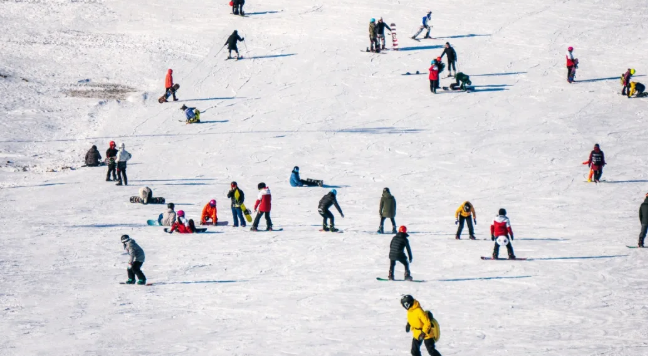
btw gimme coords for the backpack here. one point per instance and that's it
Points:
(436, 329)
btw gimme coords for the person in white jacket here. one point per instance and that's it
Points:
(122, 157)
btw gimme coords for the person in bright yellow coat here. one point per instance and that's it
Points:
(423, 326)
(466, 212)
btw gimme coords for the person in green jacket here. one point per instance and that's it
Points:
(373, 36)
(463, 81)
(387, 210)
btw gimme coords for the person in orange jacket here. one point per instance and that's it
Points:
(168, 84)
(209, 213)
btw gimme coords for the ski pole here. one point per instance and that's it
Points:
(246, 50)
(219, 51)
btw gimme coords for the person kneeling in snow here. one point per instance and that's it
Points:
(182, 225)
(636, 89)
(423, 326)
(209, 212)
(463, 81)
(192, 114)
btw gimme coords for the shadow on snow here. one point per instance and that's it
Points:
(196, 282)
(463, 36)
(626, 181)
(573, 258)
(271, 56)
(481, 278)
(206, 99)
(168, 180)
(262, 12)
(603, 79)
(496, 74)
(419, 48)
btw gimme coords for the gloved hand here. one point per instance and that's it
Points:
(242, 38)
(342, 214)
(512, 238)
(421, 336)
(411, 260)
(475, 221)
(492, 237)
(456, 221)
(407, 328)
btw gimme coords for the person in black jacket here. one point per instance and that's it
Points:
(323, 208)
(111, 153)
(398, 243)
(231, 42)
(93, 157)
(452, 58)
(643, 217)
(380, 30)
(237, 9)
(238, 197)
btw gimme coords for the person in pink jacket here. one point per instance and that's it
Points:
(434, 76)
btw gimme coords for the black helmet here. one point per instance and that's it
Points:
(125, 238)
(467, 206)
(170, 205)
(386, 190)
(502, 211)
(183, 107)
(407, 301)
(261, 185)
(296, 169)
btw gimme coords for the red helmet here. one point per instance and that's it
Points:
(570, 49)
(402, 229)
(112, 144)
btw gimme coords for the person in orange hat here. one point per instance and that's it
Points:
(399, 243)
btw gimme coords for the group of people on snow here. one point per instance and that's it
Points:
(377, 34)
(115, 160)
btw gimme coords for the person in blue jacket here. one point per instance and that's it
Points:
(295, 181)
(425, 24)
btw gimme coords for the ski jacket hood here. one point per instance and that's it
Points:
(387, 208)
(264, 200)
(419, 321)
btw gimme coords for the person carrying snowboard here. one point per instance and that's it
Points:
(296, 181)
(135, 261)
(425, 24)
(596, 162)
(625, 80)
(643, 219)
(237, 9)
(93, 157)
(111, 155)
(168, 218)
(209, 212)
(636, 89)
(452, 58)
(168, 84)
(387, 210)
(192, 115)
(422, 325)
(237, 197)
(434, 76)
(262, 207)
(122, 157)
(466, 212)
(380, 31)
(501, 230)
(325, 204)
(373, 36)
(398, 244)
(572, 64)
(462, 82)
(231, 42)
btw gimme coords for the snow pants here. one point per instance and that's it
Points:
(374, 44)
(136, 270)
(462, 220)
(452, 66)
(434, 84)
(429, 345)
(326, 214)
(111, 169)
(569, 72)
(170, 91)
(121, 173)
(257, 219)
(509, 249)
(421, 30)
(598, 173)
(382, 221)
(642, 234)
(237, 213)
(392, 265)
(381, 41)
(235, 49)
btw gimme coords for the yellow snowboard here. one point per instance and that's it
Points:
(246, 212)
(436, 330)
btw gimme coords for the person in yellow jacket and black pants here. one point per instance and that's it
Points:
(465, 212)
(423, 326)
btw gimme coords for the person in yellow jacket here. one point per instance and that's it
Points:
(465, 212)
(636, 88)
(420, 323)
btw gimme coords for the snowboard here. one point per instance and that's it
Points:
(239, 58)
(335, 232)
(165, 97)
(628, 246)
(220, 223)
(468, 89)
(156, 200)
(263, 230)
(399, 280)
(502, 259)
(198, 229)
(368, 51)
(417, 73)
(153, 223)
(246, 213)
(393, 35)
(147, 284)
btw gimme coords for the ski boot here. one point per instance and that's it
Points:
(269, 228)
(472, 237)
(119, 183)
(333, 229)
(408, 277)
(325, 228)
(394, 230)
(130, 281)
(141, 282)
(381, 230)
(511, 257)
(390, 277)
(495, 257)
(457, 237)
(254, 228)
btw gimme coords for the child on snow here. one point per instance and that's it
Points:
(93, 157)
(625, 80)
(183, 228)
(636, 89)
(168, 218)
(296, 181)
(262, 207)
(135, 261)
(192, 114)
(501, 229)
(423, 326)
(238, 198)
(209, 212)
(434, 76)
(462, 82)
(231, 42)
(325, 204)
(145, 194)
(387, 210)
(168, 84)
(572, 64)
(398, 244)
(464, 213)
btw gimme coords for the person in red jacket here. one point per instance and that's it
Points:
(209, 212)
(168, 83)
(262, 207)
(182, 226)
(596, 162)
(434, 76)
(572, 64)
(501, 229)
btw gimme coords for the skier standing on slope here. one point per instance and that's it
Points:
(231, 42)
(422, 326)
(501, 230)
(572, 64)
(168, 84)
(168, 218)
(596, 162)
(135, 261)
(466, 212)
(296, 181)
(237, 198)
(209, 212)
(373, 36)
(93, 157)
(452, 58)
(192, 115)
(643, 218)
(111, 154)
(380, 30)
(325, 204)
(434, 76)
(122, 157)
(425, 24)
(262, 206)
(398, 244)
(387, 210)
(625, 80)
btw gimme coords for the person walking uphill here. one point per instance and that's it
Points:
(262, 206)
(135, 261)
(325, 204)
(168, 84)
(423, 326)
(122, 157)
(452, 58)
(502, 232)
(434, 76)
(596, 162)
(643, 218)
(396, 253)
(111, 155)
(387, 210)
(237, 197)
(231, 42)
(466, 212)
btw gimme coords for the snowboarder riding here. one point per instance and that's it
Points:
(262, 206)
(135, 261)
(387, 210)
(466, 212)
(501, 230)
(422, 325)
(425, 24)
(209, 212)
(323, 208)
(296, 181)
(237, 197)
(231, 42)
(452, 58)
(398, 244)
(596, 162)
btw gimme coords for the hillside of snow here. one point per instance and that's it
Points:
(77, 73)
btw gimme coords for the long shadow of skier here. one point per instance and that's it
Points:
(573, 258)
(480, 278)
(488, 89)
(262, 13)
(205, 99)
(271, 56)
(462, 36)
(496, 74)
(627, 181)
(604, 79)
(196, 282)
(419, 48)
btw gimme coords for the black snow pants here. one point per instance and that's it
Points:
(569, 72)
(429, 345)
(121, 173)
(257, 219)
(326, 214)
(463, 219)
(509, 249)
(392, 265)
(111, 170)
(642, 234)
(597, 174)
(382, 222)
(451, 66)
(434, 84)
(136, 270)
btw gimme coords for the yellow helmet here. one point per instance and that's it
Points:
(632, 71)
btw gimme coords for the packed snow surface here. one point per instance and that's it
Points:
(78, 73)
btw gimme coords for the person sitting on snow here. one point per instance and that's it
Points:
(296, 181)
(192, 114)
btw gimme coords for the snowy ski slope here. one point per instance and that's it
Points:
(82, 72)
